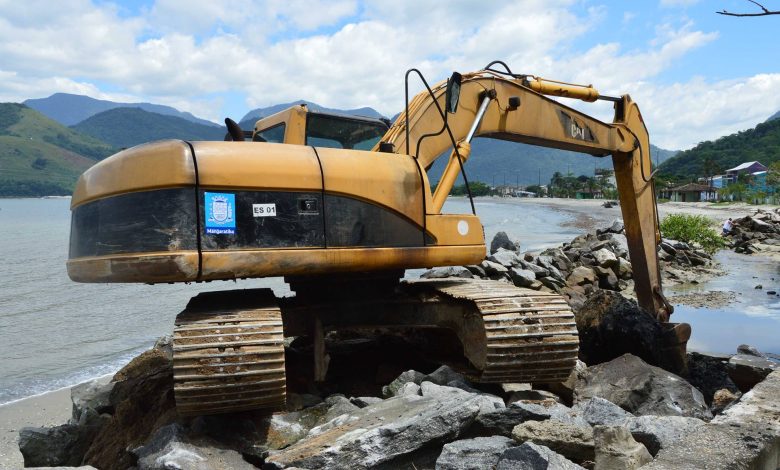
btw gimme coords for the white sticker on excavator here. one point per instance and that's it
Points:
(264, 210)
(463, 227)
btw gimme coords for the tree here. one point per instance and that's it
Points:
(764, 11)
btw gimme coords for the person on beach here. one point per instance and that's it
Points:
(727, 226)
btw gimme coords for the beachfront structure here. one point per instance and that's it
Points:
(691, 192)
(744, 168)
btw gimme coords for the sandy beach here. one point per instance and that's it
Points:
(49, 409)
(54, 408)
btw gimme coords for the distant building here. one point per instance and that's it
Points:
(748, 167)
(691, 192)
(589, 194)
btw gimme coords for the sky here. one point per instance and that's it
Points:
(696, 75)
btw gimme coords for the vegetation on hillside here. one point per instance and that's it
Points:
(761, 143)
(692, 229)
(126, 127)
(570, 185)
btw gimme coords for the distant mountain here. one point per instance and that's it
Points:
(68, 109)
(39, 156)
(774, 116)
(500, 162)
(126, 127)
(762, 143)
(249, 119)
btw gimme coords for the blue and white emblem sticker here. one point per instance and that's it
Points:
(220, 213)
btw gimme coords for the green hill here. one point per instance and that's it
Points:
(40, 157)
(126, 127)
(762, 143)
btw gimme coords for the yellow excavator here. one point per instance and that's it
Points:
(341, 206)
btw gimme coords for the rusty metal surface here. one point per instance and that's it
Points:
(529, 336)
(229, 360)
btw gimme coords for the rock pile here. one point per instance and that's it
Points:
(755, 233)
(625, 413)
(592, 262)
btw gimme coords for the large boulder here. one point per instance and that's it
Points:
(94, 395)
(502, 421)
(63, 445)
(642, 389)
(501, 240)
(393, 387)
(171, 448)
(506, 258)
(522, 277)
(658, 432)
(746, 370)
(473, 454)
(598, 411)
(617, 450)
(487, 403)
(379, 433)
(611, 325)
(581, 275)
(530, 456)
(143, 401)
(447, 271)
(572, 441)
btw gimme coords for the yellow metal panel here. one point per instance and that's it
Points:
(455, 229)
(183, 266)
(179, 266)
(257, 165)
(295, 121)
(163, 164)
(386, 179)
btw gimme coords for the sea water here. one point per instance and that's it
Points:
(55, 333)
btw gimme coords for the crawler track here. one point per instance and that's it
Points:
(228, 359)
(529, 336)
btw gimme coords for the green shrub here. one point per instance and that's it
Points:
(692, 229)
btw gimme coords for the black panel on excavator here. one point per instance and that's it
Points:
(146, 221)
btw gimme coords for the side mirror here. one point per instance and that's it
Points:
(234, 131)
(452, 94)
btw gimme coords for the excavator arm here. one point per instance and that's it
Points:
(515, 108)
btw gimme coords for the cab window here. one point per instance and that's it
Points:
(323, 130)
(273, 134)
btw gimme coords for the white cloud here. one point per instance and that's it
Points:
(192, 53)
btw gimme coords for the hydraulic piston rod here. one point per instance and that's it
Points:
(566, 90)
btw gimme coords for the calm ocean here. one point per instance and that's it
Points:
(55, 333)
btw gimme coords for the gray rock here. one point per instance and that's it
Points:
(657, 432)
(565, 389)
(442, 376)
(501, 422)
(547, 262)
(598, 411)
(642, 389)
(616, 227)
(617, 450)
(605, 258)
(522, 277)
(501, 240)
(63, 445)
(624, 269)
(362, 402)
(505, 258)
(607, 278)
(536, 269)
(409, 388)
(573, 442)
(532, 396)
(758, 407)
(722, 399)
(447, 271)
(530, 456)
(473, 454)
(391, 389)
(581, 275)
(618, 241)
(487, 402)
(492, 267)
(92, 395)
(171, 448)
(746, 370)
(477, 270)
(380, 433)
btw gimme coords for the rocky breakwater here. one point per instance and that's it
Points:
(756, 233)
(612, 413)
(589, 263)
